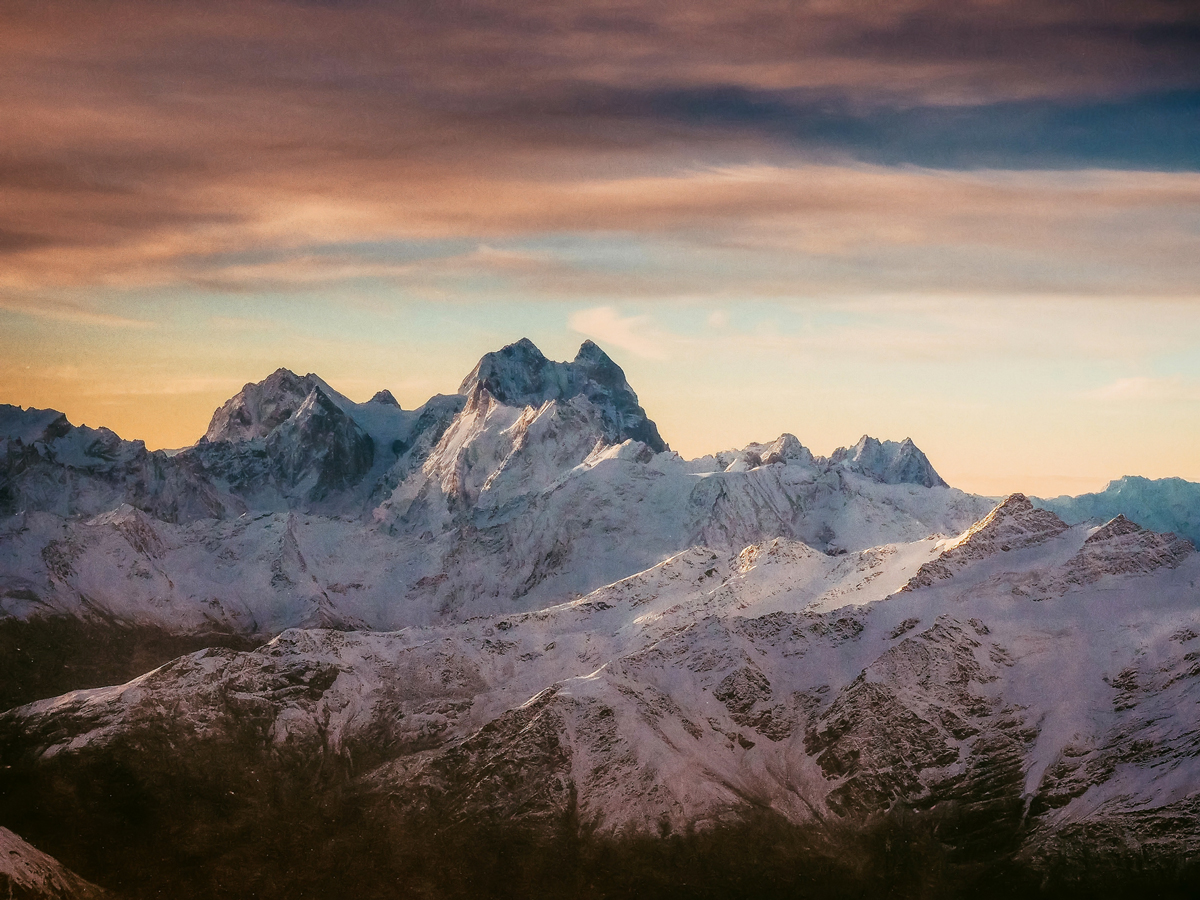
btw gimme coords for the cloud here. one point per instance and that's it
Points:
(634, 334)
(775, 230)
(62, 311)
(149, 143)
(1147, 389)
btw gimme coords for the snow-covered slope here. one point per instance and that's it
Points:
(1043, 687)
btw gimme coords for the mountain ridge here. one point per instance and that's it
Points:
(708, 686)
(506, 619)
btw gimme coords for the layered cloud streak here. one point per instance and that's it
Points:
(803, 147)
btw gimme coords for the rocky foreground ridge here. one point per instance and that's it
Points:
(28, 874)
(529, 652)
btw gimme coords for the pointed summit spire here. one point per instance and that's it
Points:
(520, 375)
(385, 397)
(888, 462)
(257, 409)
(514, 374)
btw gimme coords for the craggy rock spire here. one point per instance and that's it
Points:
(519, 375)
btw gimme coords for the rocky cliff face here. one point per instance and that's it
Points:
(29, 874)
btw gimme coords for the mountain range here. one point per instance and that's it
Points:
(509, 643)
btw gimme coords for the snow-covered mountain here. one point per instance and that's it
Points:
(49, 465)
(519, 375)
(1033, 684)
(1164, 504)
(513, 618)
(538, 482)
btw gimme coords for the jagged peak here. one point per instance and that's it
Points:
(589, 349)
(518, 374)
(1115, 527)
(515, 371)
(259, 408)
(866, 442)
(1015, 501)
(890, 462)
(1015, 522)
(785, 447)
(32, 425)
(385, 397)
(1122, 547)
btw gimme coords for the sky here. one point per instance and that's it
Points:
(973, 223)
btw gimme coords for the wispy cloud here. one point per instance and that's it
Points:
(1147, 389)
(62, 311)
(634, 334)
(730, 231)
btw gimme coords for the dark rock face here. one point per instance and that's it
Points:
(917, 726)
(515, 769)
(28, 874)
(519, 375)
(322, 445)
(48, 464)
(256, 410)
(742, 688)
(606, 387)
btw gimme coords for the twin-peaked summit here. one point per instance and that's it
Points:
(258, 409)
(519, 375)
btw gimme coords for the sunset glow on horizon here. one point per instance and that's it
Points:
(972, 224)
